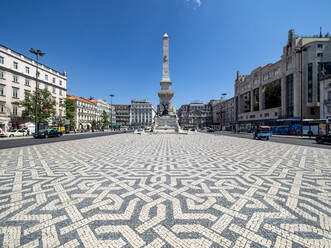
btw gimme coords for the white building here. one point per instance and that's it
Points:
(102, 105)
(18, 75)
(142, 113)
(85, 112)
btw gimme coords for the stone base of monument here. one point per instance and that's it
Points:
(166, 124)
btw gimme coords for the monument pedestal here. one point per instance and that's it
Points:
(166, 124)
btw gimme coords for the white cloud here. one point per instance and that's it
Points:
(197, 2)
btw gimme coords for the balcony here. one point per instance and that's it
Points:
(327, 101)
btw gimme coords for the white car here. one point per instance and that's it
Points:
(16, 133)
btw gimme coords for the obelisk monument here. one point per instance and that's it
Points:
(166, 118)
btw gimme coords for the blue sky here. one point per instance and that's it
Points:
(115, 46)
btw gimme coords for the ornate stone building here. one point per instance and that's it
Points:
(195, 114)
(274, 91)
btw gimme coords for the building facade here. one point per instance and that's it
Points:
(17, 76)
(101, 106)
(142, 113)
(325, 101)
(274, 91)
(195, 114)
(86, 112)
(122, 113)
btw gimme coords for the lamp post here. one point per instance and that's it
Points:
(111, 110)
(301, 50)
(37, 53)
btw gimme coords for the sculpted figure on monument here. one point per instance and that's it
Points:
(165, 109)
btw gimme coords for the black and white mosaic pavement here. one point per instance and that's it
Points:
(165, 191)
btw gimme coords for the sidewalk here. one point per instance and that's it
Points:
(65, 134)
(274, 135)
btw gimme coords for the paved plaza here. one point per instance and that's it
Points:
(198, 190)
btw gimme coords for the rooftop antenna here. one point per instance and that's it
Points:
(320, 32)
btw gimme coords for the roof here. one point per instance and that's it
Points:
(82, 99)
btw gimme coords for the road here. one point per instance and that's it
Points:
(28, 141)
(281, 139)
(165, 190)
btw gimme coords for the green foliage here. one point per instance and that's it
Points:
(105, 119)
(45, 105)
(70, 110)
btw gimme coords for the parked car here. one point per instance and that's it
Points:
(46, 133)
(2, 133)
(210, 130)
(16, 133)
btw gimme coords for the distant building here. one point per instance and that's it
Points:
(195, 114)
(122, 113)
(142, 113)
(102, 105)
(17, 76)
(274, 91)
(86, 112)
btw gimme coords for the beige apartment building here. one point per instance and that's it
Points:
(17, 76)
(274, 91)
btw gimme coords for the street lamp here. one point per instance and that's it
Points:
(37, 53)
(111, 110)
(301, 50)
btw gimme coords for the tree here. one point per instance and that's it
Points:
(45, 105)
(105, 120)
(70, 110)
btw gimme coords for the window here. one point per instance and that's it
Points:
(38, 74)
(54, 91)
(15, 92)
(27, 82)
(310, 82)
(53, 80)
(46, 87)
(15, 109)
(2, 60)
(60, 82)
(15, 78)
(329, 95)
(2, 90)
(319, 55)
(290, 95)
(46, 77)
(319, 45)
(15, 65)
(27, 70)
(1, 75)
(329, 109)
(60, 92)
(2, 107)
